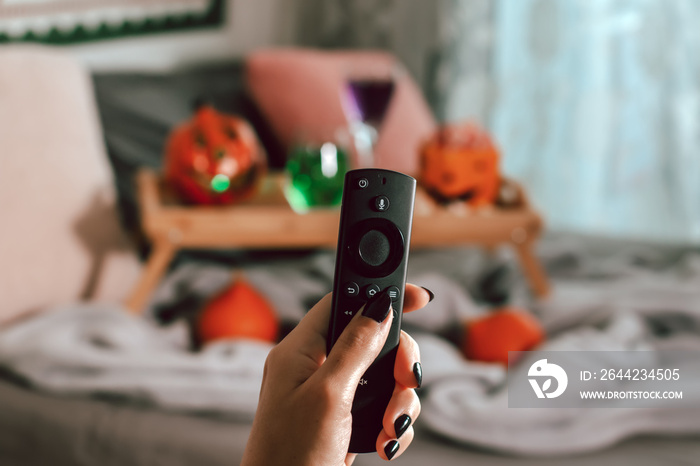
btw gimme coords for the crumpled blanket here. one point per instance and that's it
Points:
(104, 351)
(98, 350)
(468, 402)
(606, 296)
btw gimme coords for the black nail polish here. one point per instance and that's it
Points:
(418, 373)
(378, 307)
(391, 448)
(432, 295)
(402, 423)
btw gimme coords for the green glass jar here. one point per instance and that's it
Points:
(315, 175)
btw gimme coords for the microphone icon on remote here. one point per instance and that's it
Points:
(381, 203)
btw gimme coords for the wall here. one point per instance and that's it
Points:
(249, 24)
(406, 28)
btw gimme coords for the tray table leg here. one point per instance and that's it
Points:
(533, 269)
(158, 261)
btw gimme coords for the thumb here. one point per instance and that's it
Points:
(359, 344)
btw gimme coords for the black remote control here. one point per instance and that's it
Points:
(373, 242)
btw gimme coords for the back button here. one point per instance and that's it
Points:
(352, 289)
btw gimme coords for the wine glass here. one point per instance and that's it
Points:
(365, 98)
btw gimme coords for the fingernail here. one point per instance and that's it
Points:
(401, 424)
(391, 448)
(378, 307)
(432, 295)
(418, 373)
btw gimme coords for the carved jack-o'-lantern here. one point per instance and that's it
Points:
(460, 162)
(214, 158)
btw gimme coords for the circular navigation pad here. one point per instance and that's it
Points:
(376, 247)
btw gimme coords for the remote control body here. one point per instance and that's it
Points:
(373, 242)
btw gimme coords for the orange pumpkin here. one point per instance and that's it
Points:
(214, 158)
(460, 162)
(238, 312)
(489, 338)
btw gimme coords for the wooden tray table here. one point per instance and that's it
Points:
(267, 221)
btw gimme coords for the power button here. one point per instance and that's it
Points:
(362, 183)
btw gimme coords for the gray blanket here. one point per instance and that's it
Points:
(606, 296)
(101, 350)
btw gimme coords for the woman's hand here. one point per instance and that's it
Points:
(303, 415)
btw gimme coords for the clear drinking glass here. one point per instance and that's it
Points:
(315, 172)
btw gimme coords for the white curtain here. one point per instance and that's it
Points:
(597, 111)
(594, 103)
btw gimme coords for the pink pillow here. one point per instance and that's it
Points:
(299, 92)
(61, 239)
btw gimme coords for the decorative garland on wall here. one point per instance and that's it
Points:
(72, 21)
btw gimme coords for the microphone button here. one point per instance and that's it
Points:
(381, 203)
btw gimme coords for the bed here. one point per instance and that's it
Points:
(137, 111)
(39, 429)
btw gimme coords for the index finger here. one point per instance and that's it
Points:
(415, 297)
